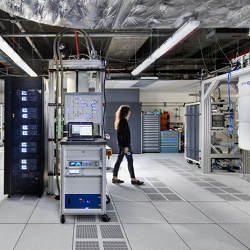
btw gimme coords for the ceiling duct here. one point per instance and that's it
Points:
(124, 14)
(228, 34)
(145, 82)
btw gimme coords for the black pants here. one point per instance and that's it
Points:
(119, 160)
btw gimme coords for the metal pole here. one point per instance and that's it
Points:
(93, 34)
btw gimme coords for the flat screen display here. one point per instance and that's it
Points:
(82, 130)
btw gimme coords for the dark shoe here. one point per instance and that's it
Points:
(117, 181)
(137, 182)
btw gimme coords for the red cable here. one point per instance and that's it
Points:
(77, 49)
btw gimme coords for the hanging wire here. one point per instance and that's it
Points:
(203, 59)
(223, 52)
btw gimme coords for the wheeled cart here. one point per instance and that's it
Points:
(83, 178)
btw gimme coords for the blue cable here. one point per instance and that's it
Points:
(230, 118)
(229, 97)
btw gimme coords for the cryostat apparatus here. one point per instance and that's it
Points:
(83, 144)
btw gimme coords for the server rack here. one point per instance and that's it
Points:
(24, 136)
(192, 132)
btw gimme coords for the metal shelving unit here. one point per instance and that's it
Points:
(150, 133)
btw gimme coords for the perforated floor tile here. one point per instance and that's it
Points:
(165, 190)
(243, 197)
(193, 179)
(207, 179)
(113, 216)
(227, 197)
(87, 245)
(111, 231)
(149, 190)
(86, 232)
(230, 190)
(86, 219)
(156, 197)
(173, 197)
(203, 184)
(115, 245)
(217, 184)
(158, 184)
(215, 190)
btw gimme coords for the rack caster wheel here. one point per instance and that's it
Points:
(62, 219)
(9, 196)
(57, 197)
(107, 199)
(105, 218)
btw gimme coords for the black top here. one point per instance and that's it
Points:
(123, 133)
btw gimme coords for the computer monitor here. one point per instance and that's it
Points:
(80, 130)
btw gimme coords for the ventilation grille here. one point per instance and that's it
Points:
(115, 245)
(87, 245)
(149, 190)
(165, 190)
(172, 197)
(86, 232)
(113, 216)
(111, 231)
(156, 197)
(86, 218)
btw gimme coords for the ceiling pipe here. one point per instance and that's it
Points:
(91, 34)
(20, 27)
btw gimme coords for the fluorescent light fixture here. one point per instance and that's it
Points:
(5, 47)
(181, 34)
(149, 78)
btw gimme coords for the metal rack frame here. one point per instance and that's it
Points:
(67, 65)
(208, 87)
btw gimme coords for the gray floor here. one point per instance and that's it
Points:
(178, 208)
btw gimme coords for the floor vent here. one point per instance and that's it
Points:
(115, 245)
(156, 197)
(165, 190)
(113, 216)
(149, 190)
(87, 245)
(86, 232)
(111, 231)
(173, 197)
(86, 218)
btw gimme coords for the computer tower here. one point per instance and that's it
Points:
(24, 136)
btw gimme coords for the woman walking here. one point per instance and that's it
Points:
(123, 137)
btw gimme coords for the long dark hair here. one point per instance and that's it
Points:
(121, 113)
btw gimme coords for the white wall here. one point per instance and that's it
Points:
(173, 100)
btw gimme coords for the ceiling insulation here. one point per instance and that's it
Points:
(122, 14)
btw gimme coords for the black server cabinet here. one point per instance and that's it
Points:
(24, 136)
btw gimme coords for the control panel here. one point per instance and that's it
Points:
(83, 107)
(80, 168)
(83, 201)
